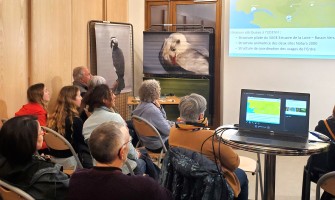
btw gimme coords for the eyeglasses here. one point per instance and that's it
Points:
(123, 145)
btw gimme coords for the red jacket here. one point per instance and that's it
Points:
(36, 110)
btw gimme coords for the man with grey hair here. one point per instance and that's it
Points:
(109, 147)
(81, 78)
(191, 133)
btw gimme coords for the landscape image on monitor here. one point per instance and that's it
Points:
(177, 53)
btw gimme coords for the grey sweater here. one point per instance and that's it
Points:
(157, 117)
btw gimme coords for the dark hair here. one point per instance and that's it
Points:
(97, 96)
(105, 141)
(18, 139)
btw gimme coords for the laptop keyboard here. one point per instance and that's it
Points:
(261, 136)
(271, 140)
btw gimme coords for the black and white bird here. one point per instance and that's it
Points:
(177, 52)
(118, 62)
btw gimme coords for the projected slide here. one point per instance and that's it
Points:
(282, 28)
(295, 107)
(263, 110)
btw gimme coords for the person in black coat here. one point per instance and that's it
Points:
(20, 138)
(325, 162)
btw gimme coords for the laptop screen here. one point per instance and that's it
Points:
(275, 112)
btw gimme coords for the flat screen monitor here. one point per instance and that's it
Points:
(178, 53)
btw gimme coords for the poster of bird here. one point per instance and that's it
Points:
(114, 53)
(178, 53)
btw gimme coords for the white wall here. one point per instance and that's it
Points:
(294, 75)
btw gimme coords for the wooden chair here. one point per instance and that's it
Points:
(10, 192)
(143, 128)
(254, 167)
(56, 141)
(327, 183)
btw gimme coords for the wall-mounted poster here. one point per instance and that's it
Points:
(178, 53)
(112, 52)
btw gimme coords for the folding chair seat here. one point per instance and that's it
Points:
(327, 183)
(56, 141)
(143, 128)
(10, 192)
(254, 167)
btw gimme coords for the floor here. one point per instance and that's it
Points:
(289, 170)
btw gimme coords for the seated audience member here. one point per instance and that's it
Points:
(151, 110)
(189, 133)
(324, 162)
(38, 97)
(100, 101)
(66, 121)
(20, 137)
(81, 77)
(109, 147)
(95, 80)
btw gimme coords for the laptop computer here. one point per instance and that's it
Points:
(275, 119)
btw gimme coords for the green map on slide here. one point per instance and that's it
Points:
(263, 107)
(289, 13)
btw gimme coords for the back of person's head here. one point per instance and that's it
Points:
(149, 91)
(191, 106)
(65, 107)
(105, 142)
(18, 139)
(97, 96)
(96, 80)
(35, 94)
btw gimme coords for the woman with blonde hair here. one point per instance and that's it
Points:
(66, 121)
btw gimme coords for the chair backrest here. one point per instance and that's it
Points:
(3, 120)
(10, 192)
(327, 183)
(190, 175)
(143, 128)
(56, 141)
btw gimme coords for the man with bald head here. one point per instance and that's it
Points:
(109, 147)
